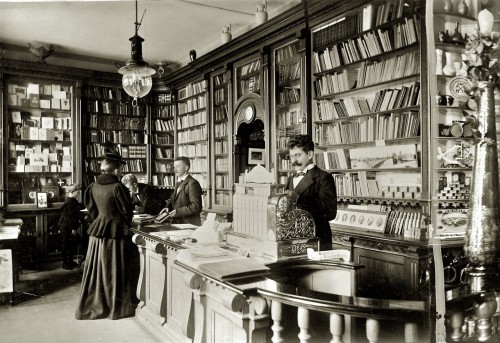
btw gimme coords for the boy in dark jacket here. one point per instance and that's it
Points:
(69, 224)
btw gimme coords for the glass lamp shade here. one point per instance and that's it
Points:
(137, 80)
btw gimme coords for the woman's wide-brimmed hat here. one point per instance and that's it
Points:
(111, 154)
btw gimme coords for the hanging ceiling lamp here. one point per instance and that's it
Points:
(136, 81)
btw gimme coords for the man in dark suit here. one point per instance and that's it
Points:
(185, 203)
(144, 197)
(315, 188)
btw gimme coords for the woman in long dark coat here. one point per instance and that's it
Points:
(107, 287)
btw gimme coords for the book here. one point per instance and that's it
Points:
(227, 270)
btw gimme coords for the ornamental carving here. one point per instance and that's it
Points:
(291, 223)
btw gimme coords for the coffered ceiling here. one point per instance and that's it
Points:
(95, 34)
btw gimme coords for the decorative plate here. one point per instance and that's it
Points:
(458, 87)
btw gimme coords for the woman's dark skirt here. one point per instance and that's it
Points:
(109, 279)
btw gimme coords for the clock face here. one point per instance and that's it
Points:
(459, 87)
(249, 112)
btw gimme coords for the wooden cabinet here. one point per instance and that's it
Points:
(392, 265)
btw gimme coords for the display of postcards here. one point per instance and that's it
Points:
(19, 90)
(56, 104)
(44, 103)
(25, 132)
(48, 122)
(25, 102)
(367, 220)
(13, 100)
(47, 89)
(39, 159)
(34, 133)
(52, 192)
(58, 135)
(33, 89)
(31, 122)
(385, 157)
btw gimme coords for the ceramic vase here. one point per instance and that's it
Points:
(226, 34)
(481, 234)
(261, 14)
(439, 62)
(449, 68)
(462, 7)
(448, 6)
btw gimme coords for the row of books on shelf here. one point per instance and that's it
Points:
(336, 30)
(163, 180)
(199, 165)
(130, 166)
(222, 198)
(288, 72)
(383, 100)
(122, 108)
(249, 67)
(222, 164)
(118, 137)
(290, 118)
(113, 122)
(105, 93)
(369, 129)
(366, 75)
(221, 147)
(367, 45)
(41, 120)
(219, 79)
(192, 89)
(286, 52)
(221, 130)
(132, 151)
(252, 85)
(193, 119)
(28, 133)
(163, 124)
(220, 112)
(165, 111)
(161, 138)
(389, 69)
(376, 14)
(284, 164)
(193, 104)
(288, 95)
(198, 149)
(35, 102)
(162, 152)
(222, 181)
(193, 135)
(97, 150)
(220, 95)
(165, 167)
(284, 134)
(164, 98)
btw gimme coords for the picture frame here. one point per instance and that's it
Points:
(42, 200)
(256, 156)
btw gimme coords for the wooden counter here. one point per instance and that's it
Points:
(180, 304)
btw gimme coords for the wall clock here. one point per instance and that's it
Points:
(249, 112)
(459, 87)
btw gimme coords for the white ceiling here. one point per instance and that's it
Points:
(171, 28)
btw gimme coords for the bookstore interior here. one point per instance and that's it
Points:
(400, 99)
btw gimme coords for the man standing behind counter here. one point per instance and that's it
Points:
(184, 206)
(314, 187)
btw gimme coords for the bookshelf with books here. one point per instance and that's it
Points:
(163, 111)
(288, 101)
(192, 132)
(248, 77)
(41, 156)
(108, 116)
(370, 129)
(221, 152)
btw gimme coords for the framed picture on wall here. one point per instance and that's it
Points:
(256, 156)
(41, 200)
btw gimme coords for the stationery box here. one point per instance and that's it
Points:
(45, 134)
(44, 103)
(56, 104)
(25, 132)
(65, 104)
(25, 102)
(33, 133)
(58, 135)
(34, 100)
(39, 159)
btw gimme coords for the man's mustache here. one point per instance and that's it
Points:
(296, 164)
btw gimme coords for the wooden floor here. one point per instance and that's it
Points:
(44, 312)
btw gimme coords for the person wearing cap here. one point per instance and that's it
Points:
(69, 223)
(143, 197)
(108, 285)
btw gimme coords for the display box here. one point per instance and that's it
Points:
(34, 100)
(56, 104)
(44, 103)
(34, 133)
